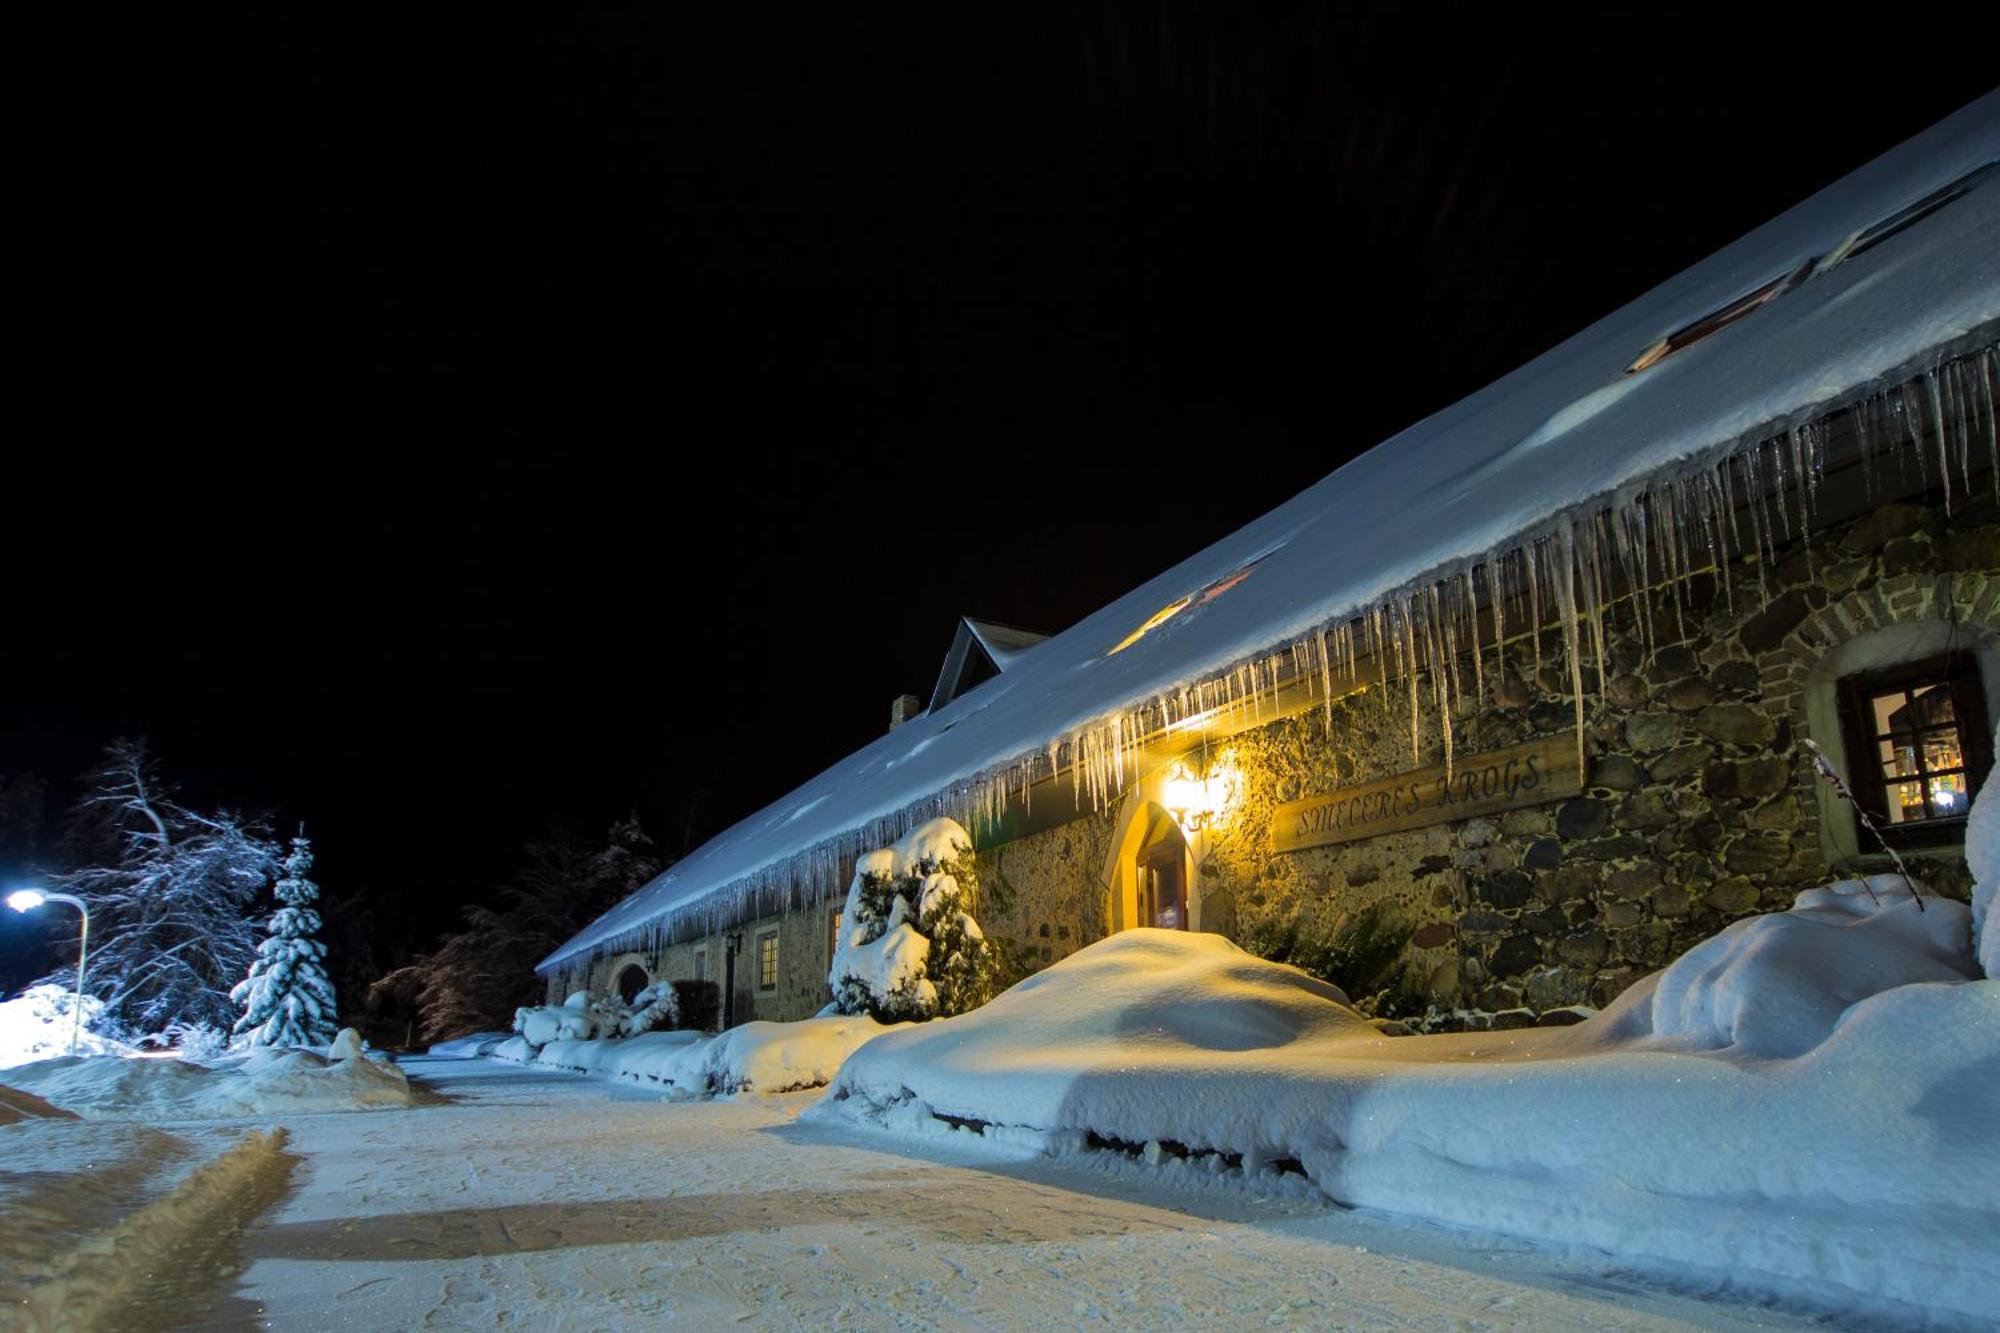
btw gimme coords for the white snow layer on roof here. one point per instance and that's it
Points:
(1567, 429)
(1792, 1104)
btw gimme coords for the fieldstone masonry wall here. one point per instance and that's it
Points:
(1699, 806)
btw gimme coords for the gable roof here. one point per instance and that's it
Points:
(974, 642)
(1570, 429)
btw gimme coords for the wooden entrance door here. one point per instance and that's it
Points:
(1163, 885)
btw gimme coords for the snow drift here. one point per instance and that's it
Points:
(756, 1057)
(265, 1081)
(1796, 1103)
(39, 1022)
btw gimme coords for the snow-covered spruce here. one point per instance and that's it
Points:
(288, 999)
(909, 948)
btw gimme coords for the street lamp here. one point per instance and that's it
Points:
(27, 900)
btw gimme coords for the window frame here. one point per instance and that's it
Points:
(772, 937)
(1959, 672)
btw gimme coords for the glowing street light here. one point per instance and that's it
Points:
(27, 900)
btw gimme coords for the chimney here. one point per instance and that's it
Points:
(902, 708)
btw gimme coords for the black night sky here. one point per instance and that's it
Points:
(445, 420)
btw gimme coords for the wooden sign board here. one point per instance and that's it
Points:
(1531, 773)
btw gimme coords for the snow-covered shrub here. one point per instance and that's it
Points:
(197, 1041)
(288, 999)
(700, 1004)
(579, 1018)
(1361, 952)
(909, 948)
(657, 1006)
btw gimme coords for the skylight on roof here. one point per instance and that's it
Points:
(1207, 593)
(1717, 320)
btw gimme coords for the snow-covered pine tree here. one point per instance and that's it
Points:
(287, 999)
(909, 948)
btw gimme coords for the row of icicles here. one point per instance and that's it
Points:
(1434, 639)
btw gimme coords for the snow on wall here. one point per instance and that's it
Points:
(1525, 495)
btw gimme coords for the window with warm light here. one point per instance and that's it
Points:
(1917, 742)
(767, 960)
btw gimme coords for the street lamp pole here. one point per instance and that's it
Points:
(27, 900)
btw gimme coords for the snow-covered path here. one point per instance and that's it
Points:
(551, 1201)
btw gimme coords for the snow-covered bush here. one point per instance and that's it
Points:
(579, 1018)
(657, 1006)
(909, 948)
(199, 1042)
(288, 999)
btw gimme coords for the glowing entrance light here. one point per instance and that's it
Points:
(1194, 801)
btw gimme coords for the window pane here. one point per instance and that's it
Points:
(1887, 712)
(1948, 796)
(1899, 759)
(1930, 705)
(1906, 802)
(1942, 751)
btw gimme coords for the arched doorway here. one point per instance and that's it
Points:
(631, 981)
(1152, 874)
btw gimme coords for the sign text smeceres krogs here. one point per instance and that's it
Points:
(1479, 784)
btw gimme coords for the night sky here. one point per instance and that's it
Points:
(444, 423)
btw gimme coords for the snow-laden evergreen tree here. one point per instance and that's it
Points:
(909, 948)
(171, 892)
(288, 999)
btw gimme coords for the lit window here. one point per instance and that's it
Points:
(1917, 745)
(1207, 594)
(767, 960)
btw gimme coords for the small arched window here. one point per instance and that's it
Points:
(631, 981)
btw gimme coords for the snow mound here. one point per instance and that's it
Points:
(38, 1023)
(1664, 1131)
(1776, 985)
(469, 1047)
(756, 1057)
(1982, 856)
(266, 1081)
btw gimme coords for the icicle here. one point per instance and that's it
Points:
(1529, 558)
(1932, 392)
(1471, 596)
(1987, 365)
(1566, 604)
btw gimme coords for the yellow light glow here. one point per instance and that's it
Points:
(1197, 801)
(1153, 622)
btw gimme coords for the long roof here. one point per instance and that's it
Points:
(1569, 428)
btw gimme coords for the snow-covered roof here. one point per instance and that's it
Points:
(1569, 428)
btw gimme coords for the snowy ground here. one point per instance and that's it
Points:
(545, 1200)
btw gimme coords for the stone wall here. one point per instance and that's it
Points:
(1700, 805)
(1043, 897)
